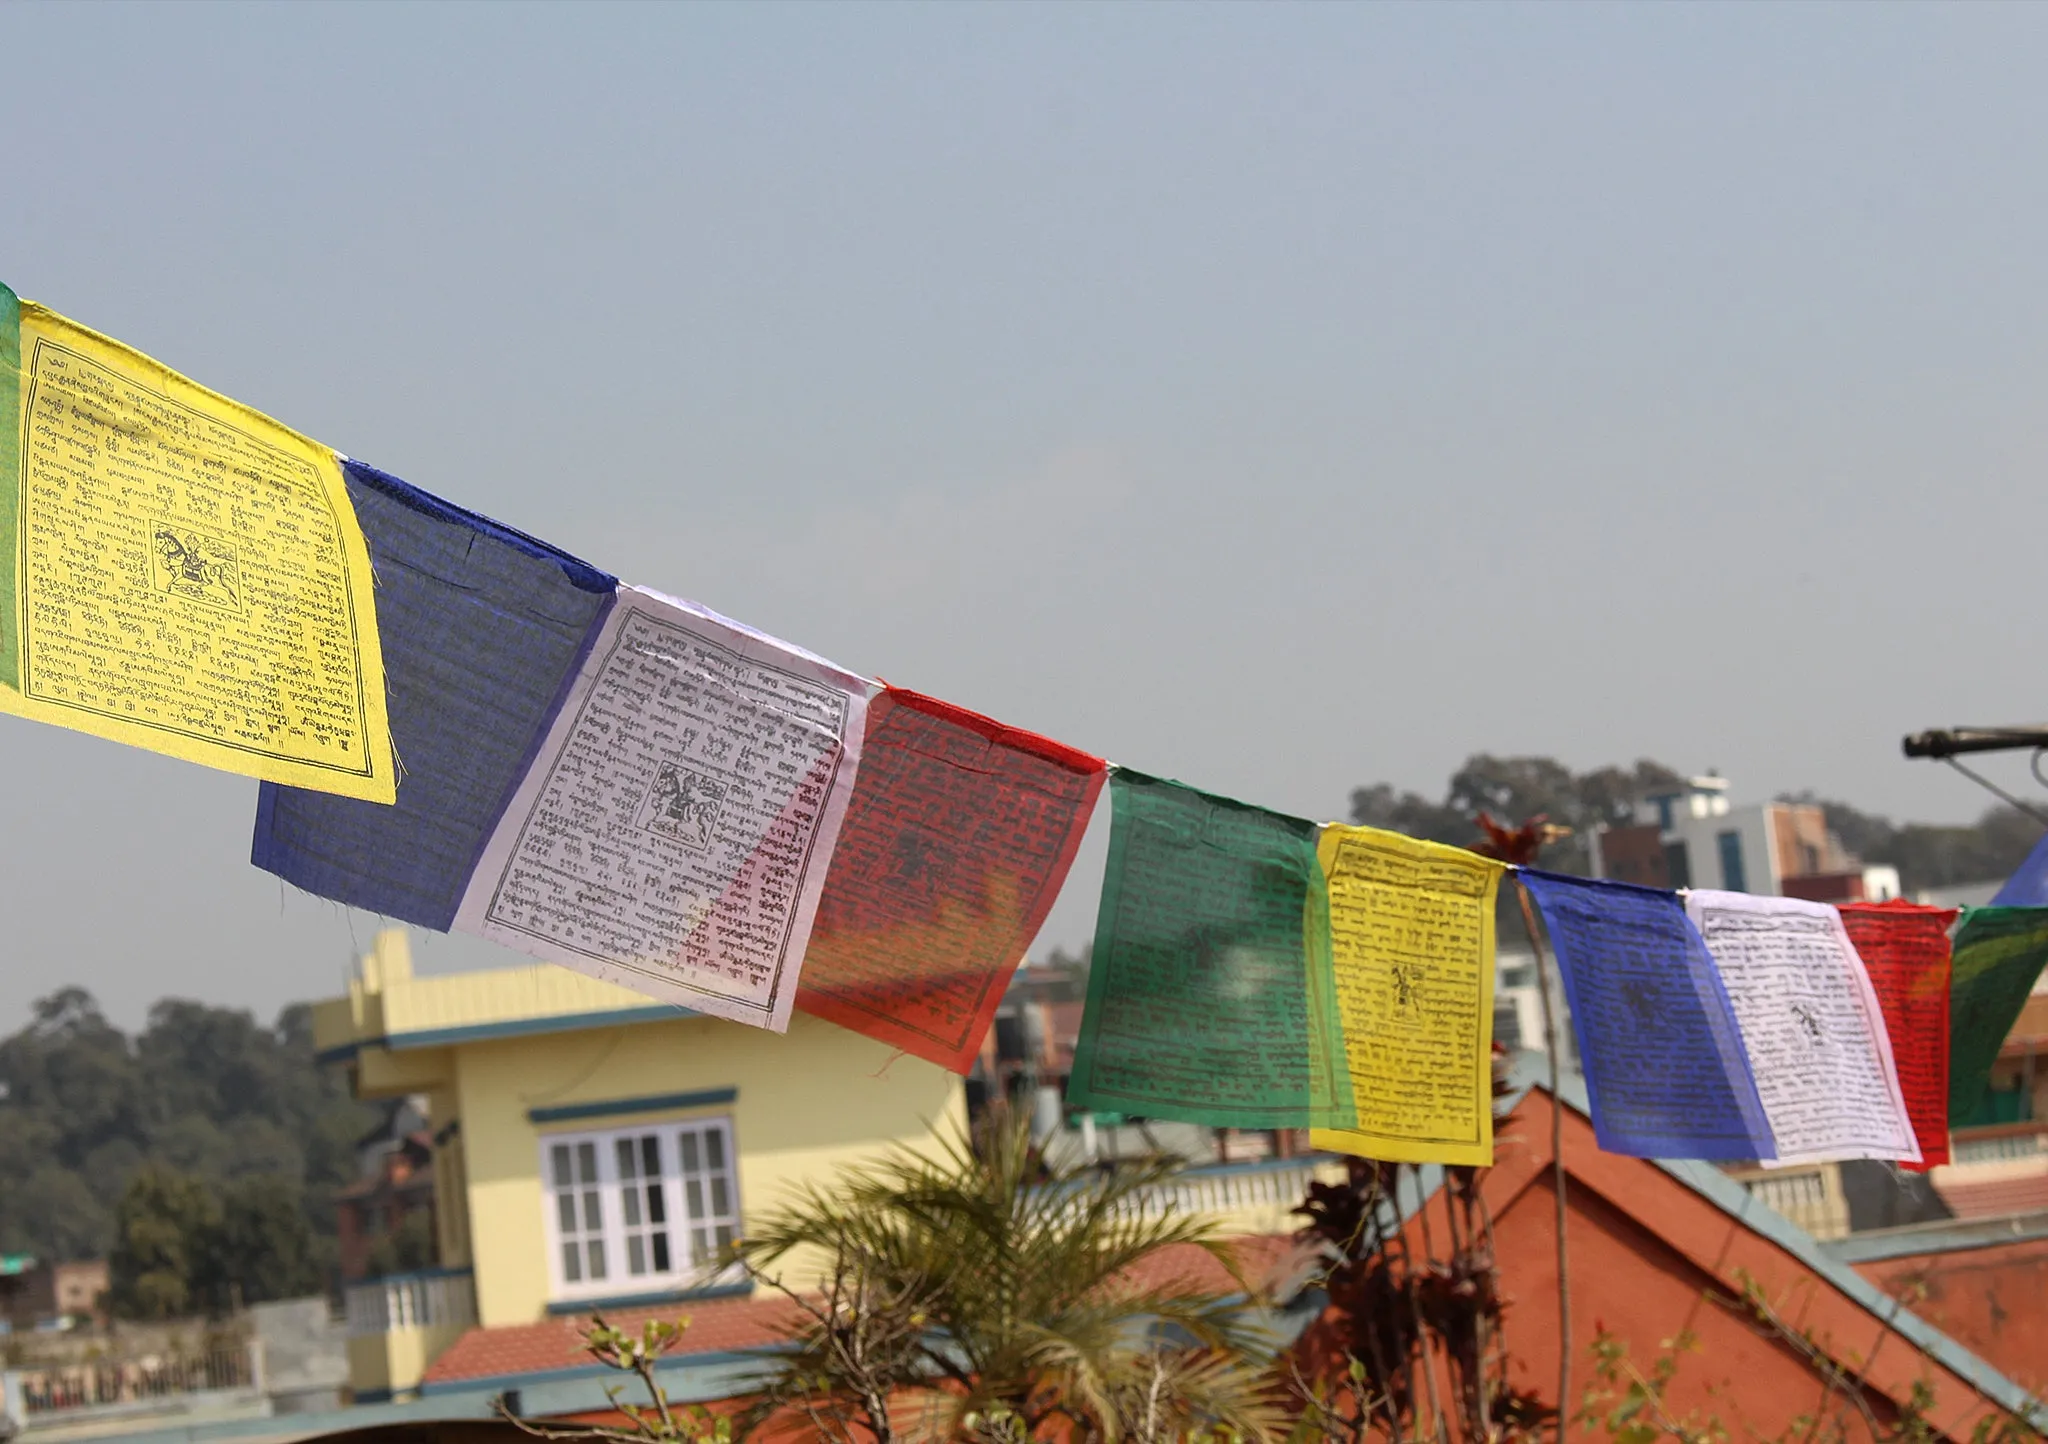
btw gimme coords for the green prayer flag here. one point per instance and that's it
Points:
(1210, 996)
(1998, 955)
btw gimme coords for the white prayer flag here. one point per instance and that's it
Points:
(673, 832)
(1811, 1025)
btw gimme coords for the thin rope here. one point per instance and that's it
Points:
(1989, 786)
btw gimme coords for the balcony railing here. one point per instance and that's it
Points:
(120, 1386)
(1232, 1188)
(1805, 1197)
(435, 1298)
(1229, 1188)
(2005, 1143)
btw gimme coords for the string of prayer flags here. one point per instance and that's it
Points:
(1998, 955)
(1209, 985)
(1665, 1068)
(179, 572)
(1905, 950)
(674, 829)
(656, 795)
(1412, 951)
(483, 629)
(1811, 1027)
(958, 835)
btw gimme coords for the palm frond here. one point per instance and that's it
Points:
(1030, 1283)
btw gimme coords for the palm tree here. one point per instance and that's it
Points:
(1000, 1296)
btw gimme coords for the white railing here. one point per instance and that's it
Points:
(1232, 1189)
(1804, 1198)
(1790, 1192)
(2006, 1148)
(126, 1386)
(436, 1299)
(1223, 1189)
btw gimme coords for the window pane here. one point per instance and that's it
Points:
(616, 1195)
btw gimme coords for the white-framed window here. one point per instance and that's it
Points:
(636, 1210)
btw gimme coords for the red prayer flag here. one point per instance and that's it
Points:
(1905, 949)
(957, 838)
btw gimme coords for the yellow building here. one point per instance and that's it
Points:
(593, 1148)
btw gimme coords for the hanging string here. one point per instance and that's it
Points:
(1556, 1044)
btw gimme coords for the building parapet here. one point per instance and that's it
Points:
(428, 1299)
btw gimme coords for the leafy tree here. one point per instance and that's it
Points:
(73, 1219)
(207, 1093)
(1514, 789)
(71, 1068)
(161, 1229)
(999, 1291)
(259, 1246)
(1929, 854)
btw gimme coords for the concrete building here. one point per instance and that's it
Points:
(37, 1294)
(371, 1214)
(1692, 837)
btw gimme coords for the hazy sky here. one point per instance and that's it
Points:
(1280, 398)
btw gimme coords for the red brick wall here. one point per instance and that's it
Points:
(1634, 854)
(1648, 1258)
(1994, 1301)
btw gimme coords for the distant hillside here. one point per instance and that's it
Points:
(1516, 788)
(204, 1092)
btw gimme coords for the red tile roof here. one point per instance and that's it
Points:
(716, 1325)
(1994, 1198)
(1262, 1259)
(722, 1325)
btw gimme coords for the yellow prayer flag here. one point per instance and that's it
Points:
(1411, 937)
(178, 571)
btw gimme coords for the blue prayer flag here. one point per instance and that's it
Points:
(2028, 885)
(483, 629)
(1664, 1062)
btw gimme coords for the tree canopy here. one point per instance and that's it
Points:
(1514, 789)
(203, 1154)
